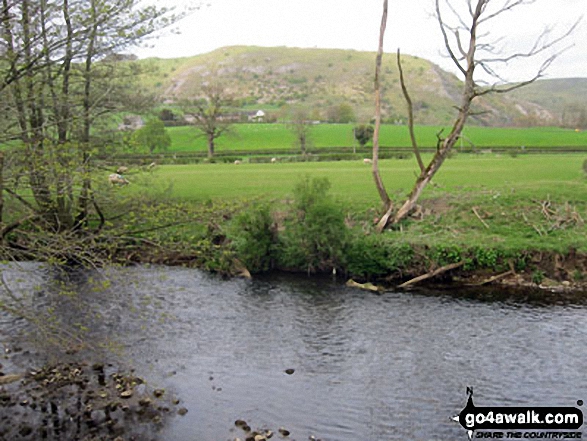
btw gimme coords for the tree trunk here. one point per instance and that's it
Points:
(442, 153)
(376, 175)
(210, 146)
(84, 196)
(410, 113)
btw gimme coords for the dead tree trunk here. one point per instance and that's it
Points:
(467, 52)
(376, 175)
(410, 113)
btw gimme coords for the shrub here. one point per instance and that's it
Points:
(253, 237)
(316, 234)
(376, 255)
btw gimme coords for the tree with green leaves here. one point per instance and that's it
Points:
(209, 112)
(300, 123)
(152, 135)
(58, 85)
(363, 134)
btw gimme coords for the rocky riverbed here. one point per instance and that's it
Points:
(82, 401)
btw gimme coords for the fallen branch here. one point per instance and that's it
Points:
(492, 278)
(432, 274)
(479, 217)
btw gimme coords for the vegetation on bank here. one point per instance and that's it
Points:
(492, 214)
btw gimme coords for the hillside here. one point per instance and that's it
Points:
(323, 79)
(564, 97)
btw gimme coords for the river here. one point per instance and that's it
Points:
(390, 366)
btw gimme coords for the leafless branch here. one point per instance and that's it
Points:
(410, 112)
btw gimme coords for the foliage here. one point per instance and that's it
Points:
(376, 256)
(363, 134)
(300, 124)
(537, 276)
(341, 114)
(152, 135)
(253, 237)
(209, 112)
(315, 235)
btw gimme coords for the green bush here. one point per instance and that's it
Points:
(253, 238)
(315, 234)
(376, 255)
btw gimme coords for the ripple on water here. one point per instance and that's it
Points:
(367, 366)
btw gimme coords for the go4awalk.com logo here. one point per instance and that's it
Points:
(529, 422)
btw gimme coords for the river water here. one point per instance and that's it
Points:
(390, 366)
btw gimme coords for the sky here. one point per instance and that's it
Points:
(354, 24)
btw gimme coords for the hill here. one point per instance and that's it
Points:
(564, 97)
(326, 79)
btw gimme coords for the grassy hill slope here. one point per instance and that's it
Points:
(322, 79)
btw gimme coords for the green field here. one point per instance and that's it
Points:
(538, 175)
(278, 137)
(509, 192)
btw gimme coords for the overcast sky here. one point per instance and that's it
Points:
(354, 24)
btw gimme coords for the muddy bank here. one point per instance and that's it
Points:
(542, 271)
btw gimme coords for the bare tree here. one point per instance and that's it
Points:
(300, 123)
(375, 168)
(210, 112)
(471, 47)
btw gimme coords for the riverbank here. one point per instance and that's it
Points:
(520, 236)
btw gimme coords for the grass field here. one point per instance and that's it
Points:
(538, 175)
(278, 136)
(509, 193)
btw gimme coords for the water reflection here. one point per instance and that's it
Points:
(367, 366)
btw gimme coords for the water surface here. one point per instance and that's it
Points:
(367, 366)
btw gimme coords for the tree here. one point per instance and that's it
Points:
(56, 85)
(363, 134)
(468, 41)
(209, 112)
(341, 113)
(377, 86)
(300, 124)
(152, 135)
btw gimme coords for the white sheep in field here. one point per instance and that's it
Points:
(273, 160)
(237, 162)
(117, 179)
(367, 161)
(121, 170)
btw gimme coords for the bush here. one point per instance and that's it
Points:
(253, 237)
(316, 234)
(377, 255)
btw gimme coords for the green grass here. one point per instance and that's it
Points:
(278, 136)
(537, 175)
(490, 209)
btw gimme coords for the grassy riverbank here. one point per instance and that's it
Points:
(490, 213)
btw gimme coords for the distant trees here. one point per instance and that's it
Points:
(363, 134)
(466, 30)
(209, 112)
(300, 123)
(152, 135)
(341, 113)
